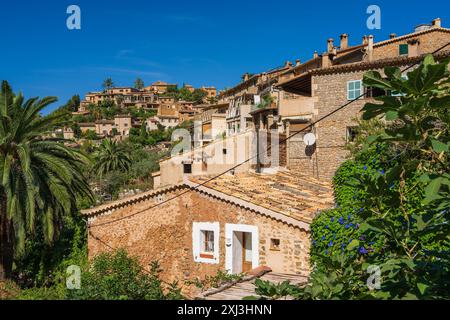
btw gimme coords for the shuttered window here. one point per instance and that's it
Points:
(403, 49)
(354, 89)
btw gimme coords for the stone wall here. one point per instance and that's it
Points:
(165, 234)
(329, 92)
(429, 42)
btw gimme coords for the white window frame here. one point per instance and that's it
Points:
(361, 90)
(197, 241)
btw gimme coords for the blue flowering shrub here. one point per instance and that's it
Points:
(333, 230)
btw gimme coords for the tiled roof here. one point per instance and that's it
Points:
(122, 203)
(287, 197)
(376, 64)
(411, 35)
(358, 66)
(291, 194)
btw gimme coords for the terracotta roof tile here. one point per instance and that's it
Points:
(294, 195)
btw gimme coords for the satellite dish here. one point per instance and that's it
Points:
(309, 139)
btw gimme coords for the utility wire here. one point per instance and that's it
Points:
(251, 158)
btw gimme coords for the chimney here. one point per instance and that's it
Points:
(297, 62)
(288, 64)
(326, 60)
(392, 36)
(365, 41)
(413, 48)
(436, 23)
(246, 76)
(369, 49)
(344, 41)
(315, 55)
(330, 45)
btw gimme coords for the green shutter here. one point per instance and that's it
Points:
(403, 49)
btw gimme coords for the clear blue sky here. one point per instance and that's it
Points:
(197, 42)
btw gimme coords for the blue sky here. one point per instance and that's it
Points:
(197, 42)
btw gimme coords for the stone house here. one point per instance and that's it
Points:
(87, 126)
(160, 87)
(234, 223)
(168, 121)
(337, 80)
(123, 124)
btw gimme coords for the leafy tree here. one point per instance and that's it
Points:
(90, 135)
(198, 96)
(40, 178)
(403, 196)
(109, 157)
(139, 84)
(73, 104)
(113, 182)
(76, 130)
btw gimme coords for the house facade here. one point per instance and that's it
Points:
(236, 223)
(338, 81)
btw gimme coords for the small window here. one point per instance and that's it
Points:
(205, 237)
(224, 151)
(187, 168)
(275, 244)
(352, 132)
(207, 240)
(354, 89)
(403, 49)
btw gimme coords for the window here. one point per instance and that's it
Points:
(275, 244)
(205, 242)
(125, 125)
(187, 168)
(354, 89)
(224, 151)
(351, 134)
(403, 49)
(375, 92)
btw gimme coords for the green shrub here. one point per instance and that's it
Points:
(116, 276)
(216, 281)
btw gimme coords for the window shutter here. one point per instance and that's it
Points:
(403, 49)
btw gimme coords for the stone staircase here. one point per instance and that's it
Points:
(247, 287)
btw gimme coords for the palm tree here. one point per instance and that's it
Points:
(108, 83)
(111, 157)
(40, 178)
(139, 84)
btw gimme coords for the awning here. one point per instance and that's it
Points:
(300, 84)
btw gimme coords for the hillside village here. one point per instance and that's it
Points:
(291, 184)
(256, 214)
(155, 107)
